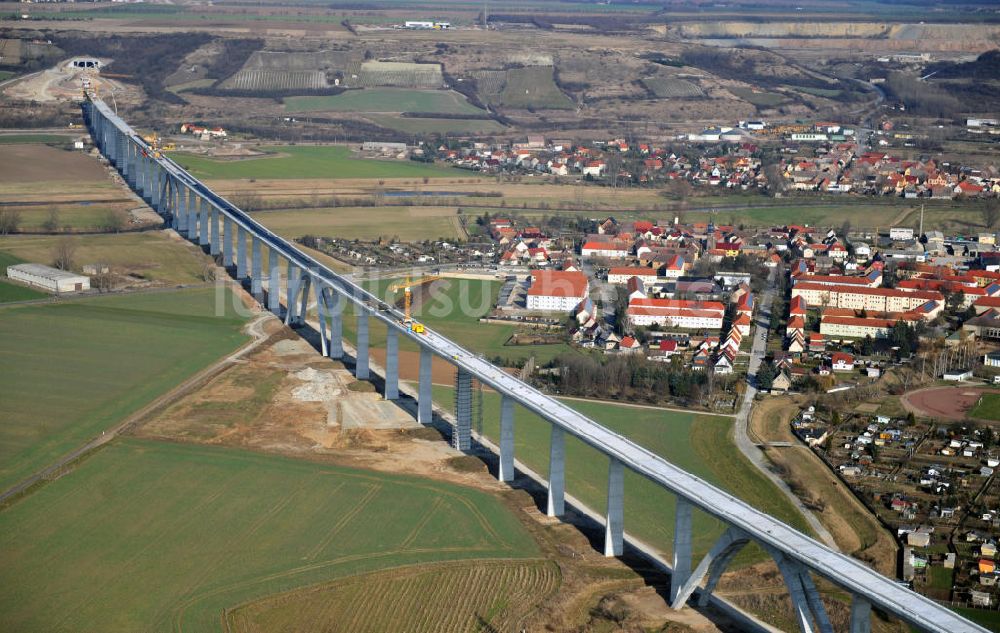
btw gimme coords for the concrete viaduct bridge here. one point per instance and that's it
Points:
(210, 220)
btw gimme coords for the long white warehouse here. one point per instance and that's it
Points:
(48, 278)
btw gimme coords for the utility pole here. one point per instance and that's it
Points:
(921, 219)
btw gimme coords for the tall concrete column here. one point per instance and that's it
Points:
(154, 195)
(291, 291)
(140, 176)
(203, 223)
(274, 283)
(241, 253)
(125, 164)
(336, 307)
(306, 284)
(180, 206)
(506, 469)
(614, 525)
(556, 505)
(227, 241)
(361, 367)
(216, 245)
(425, 404)
(192, 209)
(391, 364)
(861, 614)
(256, 269)
(461, 437)
(147, 179)
(682, 548)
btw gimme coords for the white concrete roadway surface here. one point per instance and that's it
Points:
(743, 442)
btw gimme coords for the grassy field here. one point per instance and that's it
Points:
(988, 407)
(74, 368)
(6, 74)
(148, 536)
(72, 217)
(988, 619)
(409, 223)
(23, 139)
(297, 162)
(759, 99)
(700, 444)
(534, 87)
(10, 292)
(435, 126)
(153, 254)
(385, 100)
(422, 598)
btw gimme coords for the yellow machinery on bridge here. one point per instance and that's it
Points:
(407, 288)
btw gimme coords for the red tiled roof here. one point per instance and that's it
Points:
(557, 283)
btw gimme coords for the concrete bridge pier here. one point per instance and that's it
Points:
(227, 241)
(192, 209)
(505, 471)
(147, 179)
(861, 614)
(681, 563)
(157, 186)
(124, 163)
(241, 253)
(256, 269)
(336, 312)
(203, 223)
(274, 283)
(180, 206)
(292, 278)
(461, 437)
(305, 284)
(215, 244)
(556, 504)
(425, 405)
(140, 176)
(391, 364)
(361, 366)
(323, 311)
(614, 524)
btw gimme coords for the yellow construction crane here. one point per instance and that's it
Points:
(407, 288)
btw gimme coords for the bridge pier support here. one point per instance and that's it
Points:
(227, 241)
(140, 175)
(806, 603)
(712, 565)
(192, 209)
(461, 436)
(291, 291)
(274, 283)
(203, 223)
(556, 504)
(681, 562)
(861, 614)
(323, 309)
(305, 286)
(147, 178)
(361, 364)
(180, 206)
(241, 253)
(505, 471)
(425, 406)
(256, 269)
(214, 241)
(614, 524)
(157, 185)
(336, 311)
(124, 163)
(391, 364)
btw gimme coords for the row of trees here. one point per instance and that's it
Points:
(630, 376)
(111, 221)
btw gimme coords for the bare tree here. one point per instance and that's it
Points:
(63, 253)
(113, 221)
(10, 219)
(249, 201)
(991, 213)
(51, 223)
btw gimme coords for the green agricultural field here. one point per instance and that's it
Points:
(300, 162)
(988, 407)
(534, 87)
(700, 444)
(22, 139)
(75, 368)
(10, 292)
(155, 536)
(152, 254)
(414, 125)
(385, 100)
(829, 93)
(423, 599)
(6, 74)
(987, 618)
(759, 99)
(409, 223)
(72, 216)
